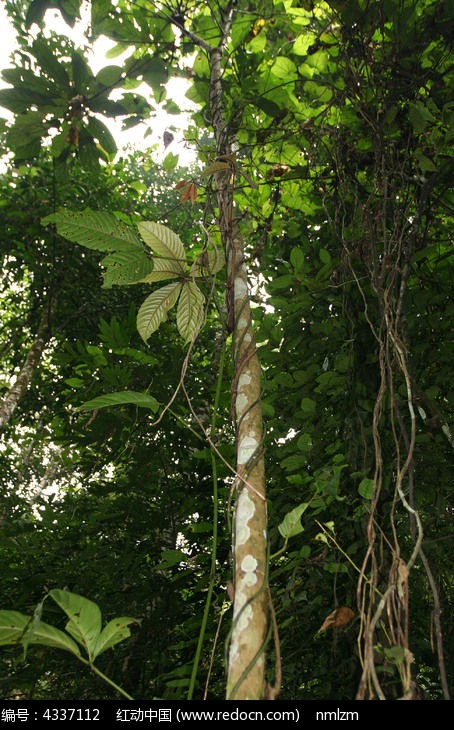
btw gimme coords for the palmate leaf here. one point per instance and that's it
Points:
(164, 242)
(115, 631)
(155, 307)
(94, 229)
(17, 628)
(126, 267)
(47, 635)
(190, 311)
(162, 269)
(122, 397)
(85, 619)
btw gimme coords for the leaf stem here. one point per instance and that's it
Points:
(105, 678)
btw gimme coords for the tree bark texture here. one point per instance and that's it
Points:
(246, 671)
(28, 369)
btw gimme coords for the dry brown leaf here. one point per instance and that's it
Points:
(338, 618)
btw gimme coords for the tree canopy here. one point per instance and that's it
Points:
(227, 413)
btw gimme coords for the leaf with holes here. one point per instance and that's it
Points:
(155, 308)
(126, 267)
(94, 229)
(164, 242)
(190, 311)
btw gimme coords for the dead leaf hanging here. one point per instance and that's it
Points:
(337, 619)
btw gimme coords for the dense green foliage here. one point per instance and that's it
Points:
(343, 119)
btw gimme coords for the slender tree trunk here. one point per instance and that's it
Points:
(246, 672)
(32, 361)
(246, 678)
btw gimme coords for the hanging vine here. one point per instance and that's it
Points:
(381, 224)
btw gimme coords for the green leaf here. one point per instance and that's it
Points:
(16, 100)
(420, 116)
(335, 567)
(291, 524)
(110, 76)
(305, 443)
(84, 623)
(162, 269)
(25, 135)
(171, 557)
(298, 259)
(395, 654)
(324, 256)
(424, 162)
(123, 397)
(172, 108)
(126, 267)
(170, 162)
(268, 106)
(308, 406)
(366, 488)
(12, 626)
(102, 134)
(283, 68)
(155, 308)
(94, 229)
(35, 12)
(294, 462)
(82, 74)
(156, 74)
(164, 242)
(47, 635)
(208, 263)
(303, 42)
(117, 50)
(116, 630)
(49, 63)
(190, 311)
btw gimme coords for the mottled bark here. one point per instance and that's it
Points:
(246, 671)
(28, 369)
(246, 676)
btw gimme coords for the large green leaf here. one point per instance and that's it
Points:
(126, 267)
(121, 398)
(94, 229)
(164, 242)
(12, 626)
(102, 134)
(116, 630)
(190, 311)
(47, 635)
(155, 307)
(84, 623)
(49, 62)
(17, 100)
(17, 628)
(163, 269)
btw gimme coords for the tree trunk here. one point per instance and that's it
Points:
(246, 671)
(32, 361)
